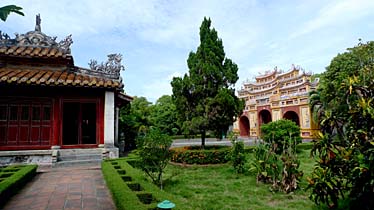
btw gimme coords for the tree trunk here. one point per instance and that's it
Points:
(203, 139)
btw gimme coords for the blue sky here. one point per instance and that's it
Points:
(156, 36)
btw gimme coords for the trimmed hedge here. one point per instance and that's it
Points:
(131, 190)
(192, 155)
(13, 179)
(299, 147)
(211, 154)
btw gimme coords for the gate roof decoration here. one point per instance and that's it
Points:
(35, 58)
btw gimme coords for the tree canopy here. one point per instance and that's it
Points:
(140, 115)
(344, 107)
(205, 97)
(164, 115)
(135, 119)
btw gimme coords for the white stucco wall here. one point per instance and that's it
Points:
(109, 119)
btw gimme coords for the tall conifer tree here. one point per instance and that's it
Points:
(205, 97)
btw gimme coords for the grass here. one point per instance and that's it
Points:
(13, 178)
(204, 187)
(219, 187)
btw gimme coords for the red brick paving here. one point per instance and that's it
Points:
(67, 188)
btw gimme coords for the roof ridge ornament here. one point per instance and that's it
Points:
(111, 68)
(37, 38)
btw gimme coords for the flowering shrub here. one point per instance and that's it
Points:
(210, 155)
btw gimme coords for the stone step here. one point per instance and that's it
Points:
(67, 152)
(79, 157)
(93, 162)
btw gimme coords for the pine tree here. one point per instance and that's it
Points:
(205, 97)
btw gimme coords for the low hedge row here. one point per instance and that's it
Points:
(13, 178)
(131, 190)
(210, 155)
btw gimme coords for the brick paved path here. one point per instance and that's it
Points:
(70, 188)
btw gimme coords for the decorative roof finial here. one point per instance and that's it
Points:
(37, 24)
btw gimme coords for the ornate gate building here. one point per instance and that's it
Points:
(277, 95)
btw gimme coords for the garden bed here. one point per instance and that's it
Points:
(131, 190)
(13, 178)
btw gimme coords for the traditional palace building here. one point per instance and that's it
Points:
(49, 106)
(277, 95)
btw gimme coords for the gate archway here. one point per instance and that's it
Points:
(244, 126)
(264, 116)
(291, 115)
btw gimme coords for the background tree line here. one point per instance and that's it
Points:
(138, 116)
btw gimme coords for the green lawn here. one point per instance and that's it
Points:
(218, 187)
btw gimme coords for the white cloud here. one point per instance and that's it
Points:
(336, 13)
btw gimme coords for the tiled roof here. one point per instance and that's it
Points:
(53, 77)
(33, 51)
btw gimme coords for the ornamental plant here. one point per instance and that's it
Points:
(276, 158)
(154, 154)
(237, 154)
(282, 132)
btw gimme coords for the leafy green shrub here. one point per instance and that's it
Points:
(237, 154)
(276, 159)
(266, 164)
(197, 156)
(281, 132)
(291, 174)
(154, 154)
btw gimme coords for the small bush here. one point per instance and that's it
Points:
(281, 132)
(237, 154)
(266, 164)
(276, 158)
(198, 156)
(154, 154)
